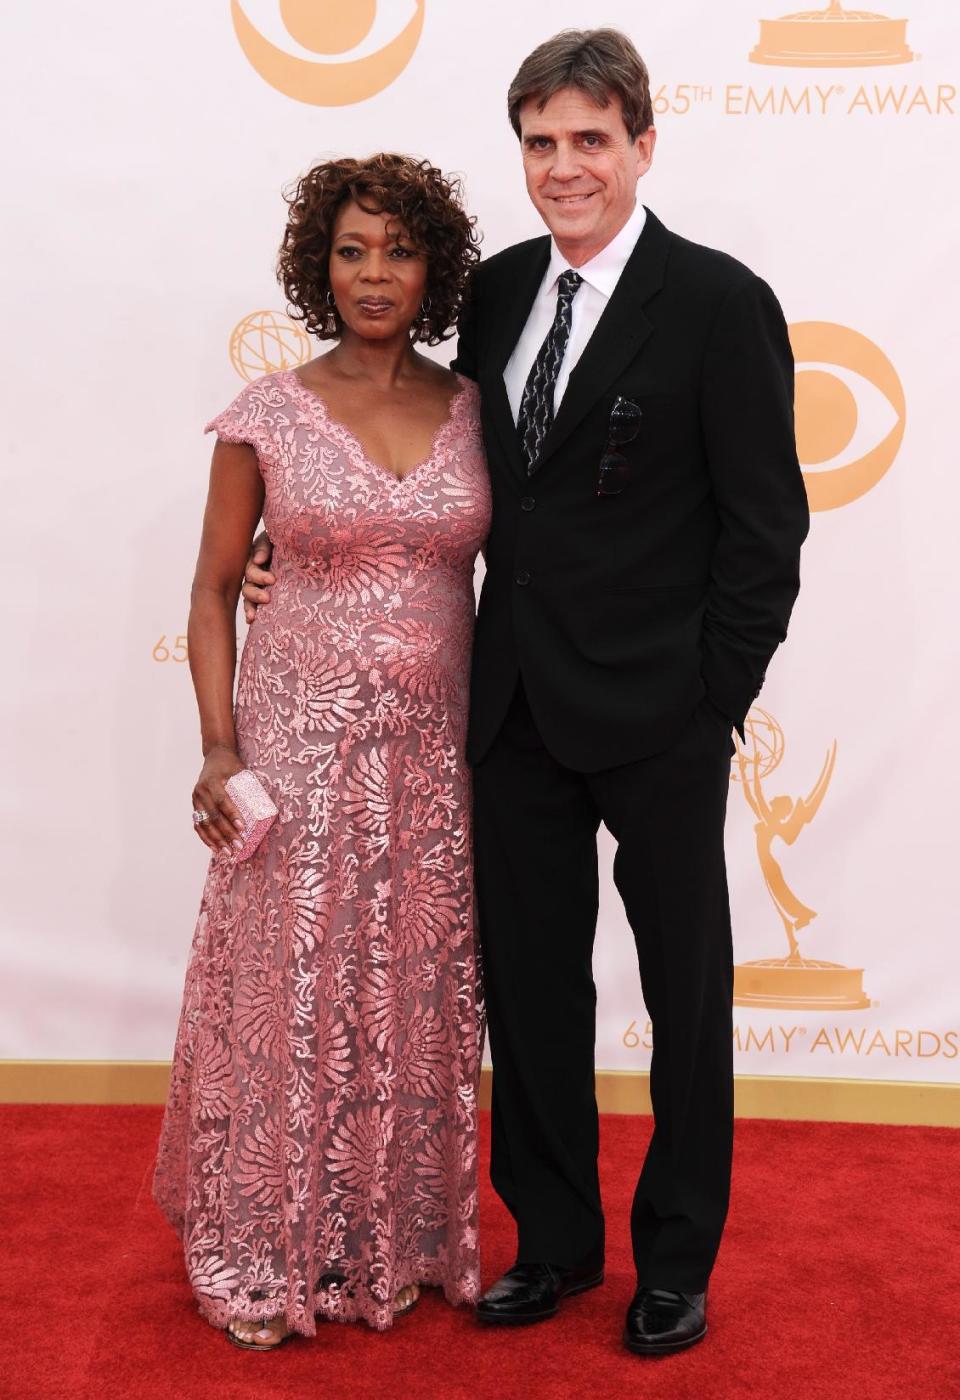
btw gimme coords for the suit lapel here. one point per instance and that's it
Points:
(510, 317)
(620, 332)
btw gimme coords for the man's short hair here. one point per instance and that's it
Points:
(602, 63)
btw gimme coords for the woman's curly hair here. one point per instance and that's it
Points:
(426, 202)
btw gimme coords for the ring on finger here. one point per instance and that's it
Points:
(200, 816)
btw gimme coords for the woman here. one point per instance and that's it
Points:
(318, 1153)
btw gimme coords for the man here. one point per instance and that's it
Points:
(642, 564)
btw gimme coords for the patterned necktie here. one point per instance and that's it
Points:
(536, 406)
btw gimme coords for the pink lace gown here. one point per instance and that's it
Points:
(318, 1151)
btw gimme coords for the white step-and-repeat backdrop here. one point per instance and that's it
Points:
(148, 145)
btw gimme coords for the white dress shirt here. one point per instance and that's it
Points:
(600, 277)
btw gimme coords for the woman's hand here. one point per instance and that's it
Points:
(223, 825)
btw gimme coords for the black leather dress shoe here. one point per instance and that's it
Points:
(532, 1292)
(660, 1321)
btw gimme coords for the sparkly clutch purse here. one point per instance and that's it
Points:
(257, 811)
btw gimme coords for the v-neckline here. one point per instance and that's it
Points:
(350, 438)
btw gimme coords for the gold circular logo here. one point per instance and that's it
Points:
(828, 417)
(328, 28)
(764, 743)
(267, 341)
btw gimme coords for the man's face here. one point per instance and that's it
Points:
(582, 169)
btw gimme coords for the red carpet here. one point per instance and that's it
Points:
(838, 1278)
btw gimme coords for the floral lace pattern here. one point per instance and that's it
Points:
(318, 1151)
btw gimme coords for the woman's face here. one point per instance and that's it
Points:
(377, 276)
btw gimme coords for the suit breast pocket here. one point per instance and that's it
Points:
(647, 436)
(658, 410)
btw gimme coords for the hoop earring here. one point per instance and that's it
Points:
(426, 306)
(331, 300)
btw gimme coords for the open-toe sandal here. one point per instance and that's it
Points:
(409, 1306)
(255, 1346)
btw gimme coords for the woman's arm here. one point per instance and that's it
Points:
(234, 504)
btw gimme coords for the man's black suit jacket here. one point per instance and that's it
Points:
(621, 612)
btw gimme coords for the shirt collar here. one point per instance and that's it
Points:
(603, 270)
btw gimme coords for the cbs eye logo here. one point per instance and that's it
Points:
(850, 412)
(328, 52)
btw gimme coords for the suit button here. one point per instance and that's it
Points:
(523, 578)
(527, 503)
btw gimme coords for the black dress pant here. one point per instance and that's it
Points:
(535, 833)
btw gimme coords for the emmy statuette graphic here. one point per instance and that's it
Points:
(832, 38)
(793, 981)
(267, 341)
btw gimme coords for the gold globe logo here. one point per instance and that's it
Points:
(766, 744)
(326, 33)
(832, 38)
(267, 341)
(838, 369)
